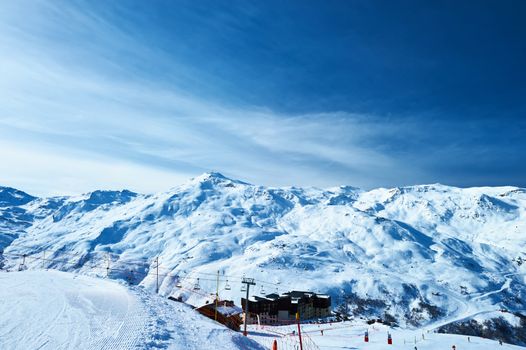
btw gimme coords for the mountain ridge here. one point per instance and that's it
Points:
(415, 254)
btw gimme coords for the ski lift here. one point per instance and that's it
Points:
(243, 288)
(262, 290)
(196, 285)
(179, 284)
(227, 286)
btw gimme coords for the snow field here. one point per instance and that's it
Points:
(350, 335)
(58, 310)
(425, 255)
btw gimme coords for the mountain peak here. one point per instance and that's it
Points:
(215, 174)
(11, 196)
(215, 178)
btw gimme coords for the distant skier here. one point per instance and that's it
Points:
(500, 342)
(469, 340)
(322, 332)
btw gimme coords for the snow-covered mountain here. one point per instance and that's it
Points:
(416, 255)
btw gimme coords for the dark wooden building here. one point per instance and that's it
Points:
(274, 309)
(227, 313)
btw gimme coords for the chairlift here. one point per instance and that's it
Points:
(262, 290)
(243, 288)
(227, 286)
(179, 284)
(196, 285)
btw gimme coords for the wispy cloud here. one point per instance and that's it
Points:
(79, 111)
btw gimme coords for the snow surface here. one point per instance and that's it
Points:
(350, 335)
(426, 255)
(58, 310)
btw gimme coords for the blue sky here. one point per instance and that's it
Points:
(145, 94)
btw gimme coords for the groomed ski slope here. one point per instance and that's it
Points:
(58, 310)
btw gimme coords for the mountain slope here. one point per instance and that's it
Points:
(58, 310)
(417, 255)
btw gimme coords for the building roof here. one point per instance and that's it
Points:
(299, 294)
(229, 310)
(225, 307)
(272, 296)
(295, 294)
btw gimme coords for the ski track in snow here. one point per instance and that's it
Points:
(52, 310)
(505, 285)
(124, 326)
(63, 311)
(469, 310)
